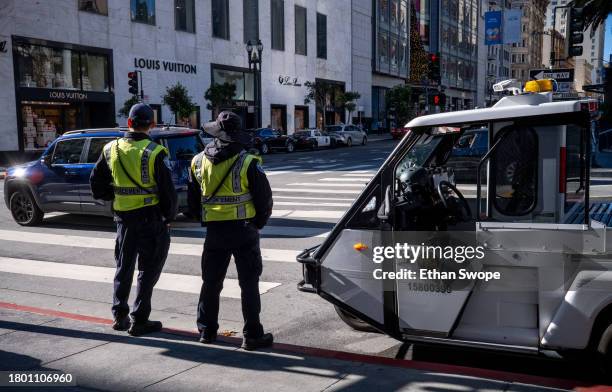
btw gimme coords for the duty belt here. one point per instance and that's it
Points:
(229, 199)
(130, 191)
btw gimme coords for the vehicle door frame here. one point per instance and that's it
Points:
(97, 207)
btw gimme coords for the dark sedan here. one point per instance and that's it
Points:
(268, 139)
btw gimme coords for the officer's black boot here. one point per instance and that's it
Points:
(250, 344)
(207, 336)
(122, 323)
(138, 329)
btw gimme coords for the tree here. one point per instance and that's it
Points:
(127, 105)
(399, 100)
(595, 12)
(319, 92)
(348, 99)
(178, 100)
(220, 96)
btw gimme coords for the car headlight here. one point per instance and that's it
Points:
(19, 172)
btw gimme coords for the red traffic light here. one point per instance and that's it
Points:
(436, 99)
(433, 57)
(132, 74)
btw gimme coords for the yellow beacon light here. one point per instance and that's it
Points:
(539, 86)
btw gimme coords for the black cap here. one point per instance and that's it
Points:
(227, 127)
(141, 115)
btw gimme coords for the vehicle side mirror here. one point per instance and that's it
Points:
(46, 160)
(385, 206)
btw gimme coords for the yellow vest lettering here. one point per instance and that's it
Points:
(233, 201)
(132, 164)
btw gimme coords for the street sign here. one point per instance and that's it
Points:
(559, 74)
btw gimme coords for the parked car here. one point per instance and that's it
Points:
(467, 152)
(268, 139)
(347, 134)
(398, 133)
(59, 180)
(313, 139)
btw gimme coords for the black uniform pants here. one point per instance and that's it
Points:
(224, 239)
(146, 240)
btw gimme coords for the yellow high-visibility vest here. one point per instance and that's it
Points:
(137, 188)
(233, 201)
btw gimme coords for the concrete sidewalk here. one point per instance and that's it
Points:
(102, 359)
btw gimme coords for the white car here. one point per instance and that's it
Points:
(347, 134)
(313, 137)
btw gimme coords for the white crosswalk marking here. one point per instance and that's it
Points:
(354, 179)
(326, 185)
(308, 214)
(176, 248)
(276, 173)
(358, 174)
(326, 191)
(312, 198)
(172, 282)
(280, 167)
(286, 231)
(317, 204)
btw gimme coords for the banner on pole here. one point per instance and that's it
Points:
(512, 26)
(493, 28)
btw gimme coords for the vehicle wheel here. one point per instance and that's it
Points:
(264, 149)
(349, 142)
(290, 147)
(604, 354)
(354, 322)
(364, 141)
(24, 209)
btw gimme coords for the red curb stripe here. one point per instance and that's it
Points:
(578, 386)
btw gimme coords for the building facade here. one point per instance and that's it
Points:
(67, 62)
(497, 63)
(527, 54)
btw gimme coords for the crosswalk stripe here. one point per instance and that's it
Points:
(315, 172)
(312, 198)
(326, 185)
(172, 282)
(286, 231)
(318, 204)
(176, 248)
(358, 174)
(326, 166)
(307, 214)
(358, 167)
(276, 173)
(327, 191)
(354, 179)
(280, 168)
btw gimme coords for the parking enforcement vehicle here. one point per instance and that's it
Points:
(59, 180)
(541, 222)
(312, 138)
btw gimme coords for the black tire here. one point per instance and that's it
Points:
(24, 209)
(264, 149)
(354, 322)
(364, 141)
(290, 147)
(349, 142)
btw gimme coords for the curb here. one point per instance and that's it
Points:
(578, 386)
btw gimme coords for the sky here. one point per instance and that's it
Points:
(608, 41)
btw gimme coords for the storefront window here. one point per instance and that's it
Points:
(95, 6)
(45, 67)
(95, 72)
(244, 82)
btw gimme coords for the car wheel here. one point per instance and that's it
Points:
(364, 141)
(354, 322)
(264, 149)
(290, 147)
(349, 142)
(24, 209)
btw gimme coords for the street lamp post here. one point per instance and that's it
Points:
(254, 50)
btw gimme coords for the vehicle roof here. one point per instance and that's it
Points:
(507, 108)
(118, 131)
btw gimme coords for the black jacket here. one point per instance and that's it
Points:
(259, 187)
(101, 181)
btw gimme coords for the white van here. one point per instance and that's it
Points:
(534, 211)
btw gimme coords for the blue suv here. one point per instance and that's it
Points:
(59, 180)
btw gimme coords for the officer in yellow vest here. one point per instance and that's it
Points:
(229, 190)
(134, 173)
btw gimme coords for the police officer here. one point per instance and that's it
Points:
(229, 190)
(134, 173)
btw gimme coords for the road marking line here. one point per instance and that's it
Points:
(276, 173)
(303, 190)
(362, 171)
(313, 198)
(315, 172)
(280, 167)
(354, 179)
(287, 231)
(326, 166)
(318, 204)
(172, 282)
(358, 175)
(358, 167)
(325, 185)
(176, 248)
(307, 214)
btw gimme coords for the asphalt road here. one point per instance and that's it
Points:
(67, 264)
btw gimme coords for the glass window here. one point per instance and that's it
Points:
(184, 15)
(143, 11)
(67, 151)
(44, 67)
(95, 6)
(367, 215)
(244, 82)
(250, 19)
(278, 24)
(95, 72)
(184, 148)
(300, 31)
(321, 36)
(96, 145)
(220, 15)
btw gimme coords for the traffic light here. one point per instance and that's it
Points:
(133, 82)
(438, 99)
(434, 67)
(574, 37)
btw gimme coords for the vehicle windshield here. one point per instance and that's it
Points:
(333, 128)
(184, 147)
(422, 150)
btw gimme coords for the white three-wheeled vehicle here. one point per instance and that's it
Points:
(536, 207)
